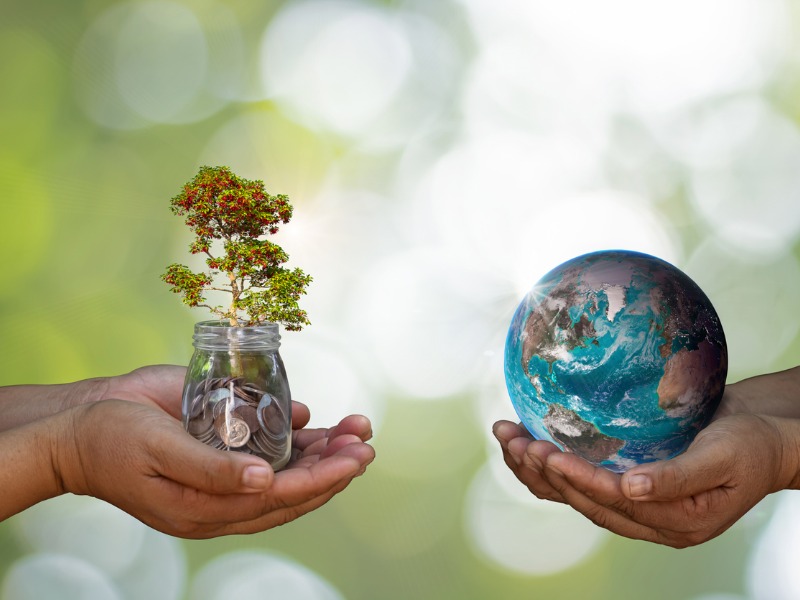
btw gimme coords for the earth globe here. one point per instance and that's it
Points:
(617, 356)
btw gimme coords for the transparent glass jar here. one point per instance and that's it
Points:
(236, 394)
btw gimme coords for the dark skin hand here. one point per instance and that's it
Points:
(751, 449)
(127, 446)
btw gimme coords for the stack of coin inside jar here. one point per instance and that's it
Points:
(230, 414)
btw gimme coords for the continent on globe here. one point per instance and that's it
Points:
(568, 428)
(617, 356)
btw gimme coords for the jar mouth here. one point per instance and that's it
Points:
(221, 335)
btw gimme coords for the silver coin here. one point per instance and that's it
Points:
(227, 405)
(196, 406)
(233, 432)
(199, 425)
(272, 417)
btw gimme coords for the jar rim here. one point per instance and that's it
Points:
(221, 335)
(216, 324)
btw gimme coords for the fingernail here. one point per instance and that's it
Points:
(639, 485)
(256, 477)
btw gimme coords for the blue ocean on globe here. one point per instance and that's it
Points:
(617, 356)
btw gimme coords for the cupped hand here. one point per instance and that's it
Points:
(730, 466)
(161, 386)
(139, 458)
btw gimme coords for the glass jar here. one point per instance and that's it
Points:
(236, 394)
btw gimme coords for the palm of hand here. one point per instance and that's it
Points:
(694, 497)
(134, 453)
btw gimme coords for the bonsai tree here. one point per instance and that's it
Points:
(219, 206)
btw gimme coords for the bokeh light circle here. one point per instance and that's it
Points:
(745, 182)
(161, 59)
(625, 54)
(426, 319)
(753, 298)
(147, 62)
(518, 205)
(158, 572)
(323, 376)
(52, 575)
(502, 516)
(254, 574)
(335, 65)
(85, 528)
(772, 572)
(265, 145)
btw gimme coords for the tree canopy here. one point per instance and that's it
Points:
(220, 206)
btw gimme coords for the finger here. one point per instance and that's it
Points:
(505, 431)
(358, 425)
(335, 445)
(532, 471)
(279, 517)
(686, 518)
(701, 468)
(351, 446)
(187, 509)
(178, 456)
(327, 446)
(300, 483)
(300, 415)
(598, 514)
(200, 513)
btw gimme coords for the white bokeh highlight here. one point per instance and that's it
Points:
(505, 524)
(646, 57)
(335, 65)
(517, 206)
(136, 561)
(745, 178)
(772, 572)
(84, 528)
(140, 63)
(323, 376)
(752, 299)
(255, 574)
(426, 320)
(51, 575)
(161, 59)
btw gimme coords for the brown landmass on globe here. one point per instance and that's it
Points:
(549, 330)
(580, 436)
(690, 377)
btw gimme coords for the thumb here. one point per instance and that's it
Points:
(697, 470)
(185, 460)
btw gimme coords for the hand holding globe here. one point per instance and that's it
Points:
(604, 404)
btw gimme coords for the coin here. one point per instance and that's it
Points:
(199, 425)
(232, 431)
(272, 417)
(247, 414)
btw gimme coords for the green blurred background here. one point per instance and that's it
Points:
(441, 157)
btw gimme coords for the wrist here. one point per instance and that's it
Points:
(31, 472)
(86, 391)
(789, 452)
(67, 461)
